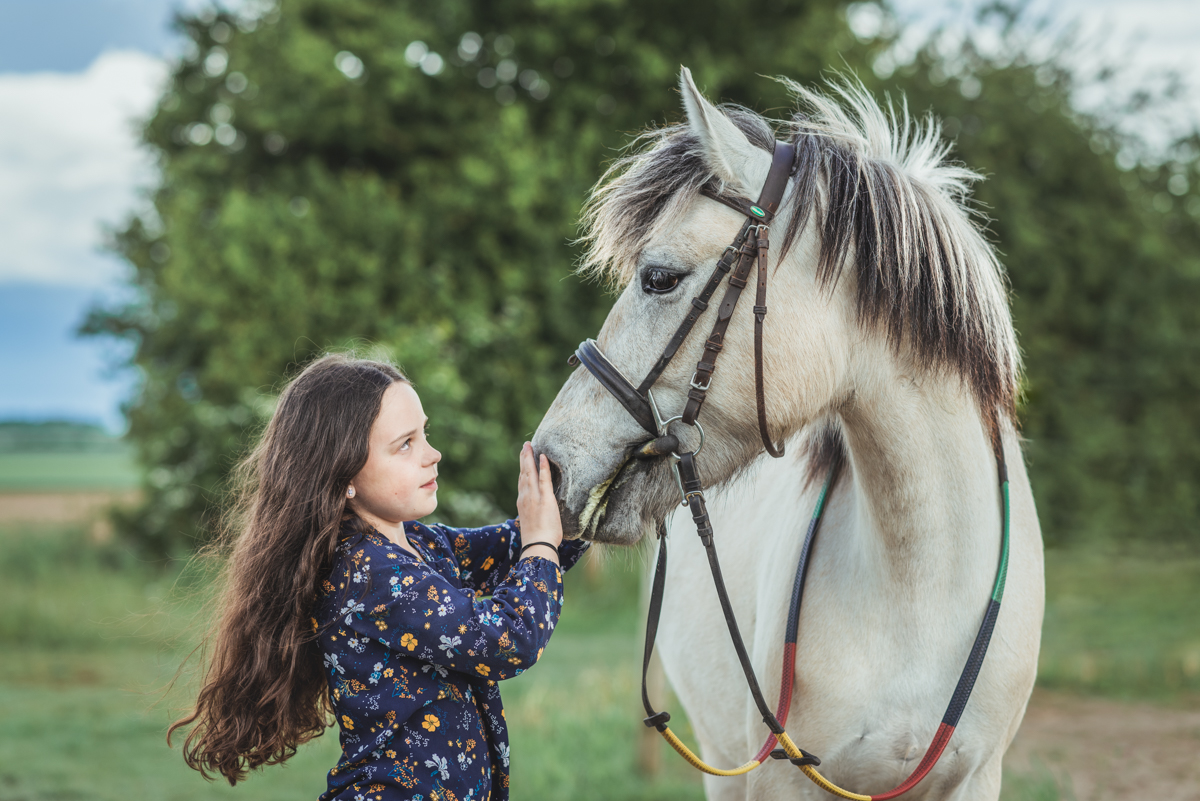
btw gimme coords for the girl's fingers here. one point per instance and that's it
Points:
(547, 485)
(523, 480)
(535, 484)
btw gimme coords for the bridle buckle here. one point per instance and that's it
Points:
(673, 457)
(694, 383)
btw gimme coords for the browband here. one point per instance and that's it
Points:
(772, 191)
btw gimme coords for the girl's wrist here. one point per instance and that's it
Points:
(549, 548)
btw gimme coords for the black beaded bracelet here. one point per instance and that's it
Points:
(524, 548)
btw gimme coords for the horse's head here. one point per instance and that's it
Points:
(879, 198)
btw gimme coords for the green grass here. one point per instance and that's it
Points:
(1040, 784)
(89, 639)
(1123, 626)
(38, 472)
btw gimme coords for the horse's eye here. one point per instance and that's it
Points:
(659, 281)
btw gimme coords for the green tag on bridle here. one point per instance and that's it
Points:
(757, 212)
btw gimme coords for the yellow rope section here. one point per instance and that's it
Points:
(788, 746)
(699, 764)
(817, 778)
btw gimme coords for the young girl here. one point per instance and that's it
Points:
(339, 602)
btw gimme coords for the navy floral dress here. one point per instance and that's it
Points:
(413, 650)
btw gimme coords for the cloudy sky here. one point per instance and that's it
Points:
(76, 76)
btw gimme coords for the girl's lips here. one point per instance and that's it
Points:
(432, 485)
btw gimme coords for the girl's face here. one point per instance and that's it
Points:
(399, 480)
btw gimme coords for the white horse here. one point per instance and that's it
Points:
(889, 344)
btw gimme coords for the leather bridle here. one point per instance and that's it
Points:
(749, 247)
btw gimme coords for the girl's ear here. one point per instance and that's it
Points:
(726, 150)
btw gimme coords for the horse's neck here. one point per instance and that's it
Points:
(924, 498)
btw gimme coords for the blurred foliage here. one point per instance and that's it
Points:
(319, 186)
(410, 175)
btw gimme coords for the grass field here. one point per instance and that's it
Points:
(1125, 626)
(61, 456)
(90, 639)
(34, 472)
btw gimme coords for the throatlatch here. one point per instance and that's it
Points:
(748, 248)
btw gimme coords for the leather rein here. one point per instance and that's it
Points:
(751, 246)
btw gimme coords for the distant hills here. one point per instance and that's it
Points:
(58, 436)
(62, 456)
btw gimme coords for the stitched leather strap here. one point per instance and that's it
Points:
(695, 498)
(699, 304)
(782, 161)
(738, 203)
(656, 719)
(612, 379)
(762, 211)
(716, 339)
(738, 259)
(760, 314)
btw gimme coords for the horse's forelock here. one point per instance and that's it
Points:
(646, 190)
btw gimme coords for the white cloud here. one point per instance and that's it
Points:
(69, 162)
(1141, 38)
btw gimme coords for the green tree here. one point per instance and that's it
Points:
(409, 175)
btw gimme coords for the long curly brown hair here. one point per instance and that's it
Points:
(264, 693)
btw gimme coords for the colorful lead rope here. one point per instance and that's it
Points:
(958, 701)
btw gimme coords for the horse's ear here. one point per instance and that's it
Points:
(727, 151)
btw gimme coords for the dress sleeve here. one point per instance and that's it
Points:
(486, 555)
(416, 612)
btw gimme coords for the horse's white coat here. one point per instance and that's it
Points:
(904, 563)
(901, 575)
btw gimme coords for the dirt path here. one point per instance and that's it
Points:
(60, 507)
(1110, 750)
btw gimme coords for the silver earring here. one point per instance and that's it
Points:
(350, 492)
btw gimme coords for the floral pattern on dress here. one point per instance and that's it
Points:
(413, 650)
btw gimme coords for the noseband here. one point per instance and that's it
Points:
(750, 246)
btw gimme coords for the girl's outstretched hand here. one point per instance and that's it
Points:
(537, 507)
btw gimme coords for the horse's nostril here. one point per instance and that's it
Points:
(555, 475)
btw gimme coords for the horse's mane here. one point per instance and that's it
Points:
(885, 201)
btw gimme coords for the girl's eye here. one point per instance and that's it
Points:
(407, 444)
(659, 281)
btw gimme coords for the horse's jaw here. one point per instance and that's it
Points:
(614, 510)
